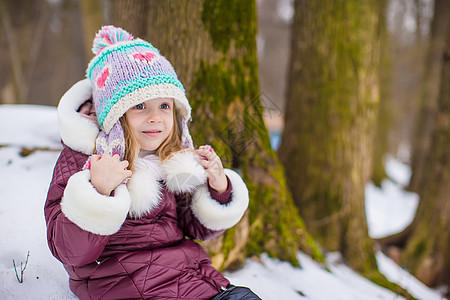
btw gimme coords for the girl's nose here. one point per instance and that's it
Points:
(153, 117)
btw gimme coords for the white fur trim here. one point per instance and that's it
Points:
(183, 172)
(216, 216)
(143, 94)
(144, 188)
(92, 211)
(76, 132)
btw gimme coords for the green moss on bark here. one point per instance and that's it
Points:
(379, 279)
(228, 21)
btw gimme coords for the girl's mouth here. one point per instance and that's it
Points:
(152, 133)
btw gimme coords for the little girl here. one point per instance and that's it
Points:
(129, 193)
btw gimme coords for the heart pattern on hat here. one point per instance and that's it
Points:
(148, 56)
(101, 81)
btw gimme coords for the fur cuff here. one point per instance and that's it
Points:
(76, 132)
(216, 216)
(92, 211)
(183, 172)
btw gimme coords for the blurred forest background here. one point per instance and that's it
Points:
(305, 98)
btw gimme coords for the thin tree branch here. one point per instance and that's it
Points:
(37, 39)
(19, 81)
(22, 268)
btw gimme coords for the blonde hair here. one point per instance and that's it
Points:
(170, 145)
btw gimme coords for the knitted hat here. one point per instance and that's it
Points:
(126, 72)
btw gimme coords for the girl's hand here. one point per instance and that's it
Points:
(107, 172)
(214, 169)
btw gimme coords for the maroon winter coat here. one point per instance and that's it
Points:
(146, 255)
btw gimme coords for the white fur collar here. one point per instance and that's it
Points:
(182, 173)
(144, 186)
(76, 132)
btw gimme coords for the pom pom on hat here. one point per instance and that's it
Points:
(109, 35)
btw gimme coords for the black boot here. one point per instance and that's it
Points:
(236, 293)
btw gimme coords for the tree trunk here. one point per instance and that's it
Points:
(212, 45)
(132, 13)
(330, 122)
(427, 250)
(92, 19)
(62, 56)
(384, 115)
(14, 27)
(428, 110)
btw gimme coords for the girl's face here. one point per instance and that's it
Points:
(151, 122)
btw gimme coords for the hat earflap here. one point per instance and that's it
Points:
(113, 142)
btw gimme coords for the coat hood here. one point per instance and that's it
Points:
(77, 132)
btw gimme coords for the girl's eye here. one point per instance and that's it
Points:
(140, 106)
(165, 106)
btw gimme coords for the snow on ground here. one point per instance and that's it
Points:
(395, 274)
(29, 126)
(23, 187)
(390, 209)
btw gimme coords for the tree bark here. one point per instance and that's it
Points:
(212, 45)
(131, 14)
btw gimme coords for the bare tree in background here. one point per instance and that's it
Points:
(425, 244)
(43, 50)
(384, 122)
(23, 44)
(421, 140)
